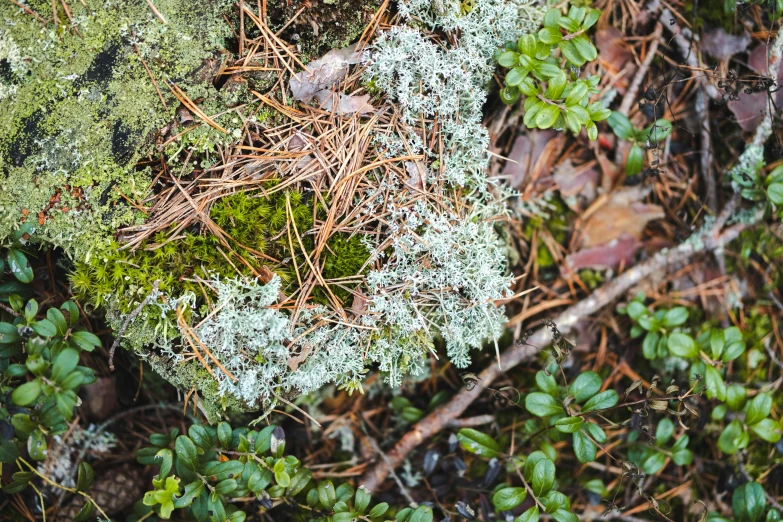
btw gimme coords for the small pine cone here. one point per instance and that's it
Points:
(114, 490)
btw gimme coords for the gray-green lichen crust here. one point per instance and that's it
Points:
(78, 108)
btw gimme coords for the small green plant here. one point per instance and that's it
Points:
(647, 137)
(536, 472)
(212, 465)
(39, 359)
(651, 458)
(552, 57)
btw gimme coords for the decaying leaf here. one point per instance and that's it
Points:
(612, 233)
(722, 45)
(577, 184)
(324, 73)
(346, 104)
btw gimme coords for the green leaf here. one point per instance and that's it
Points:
(735, 396)
(224, 487)
(592, 130)
(585, 386)
(654, 463)
(730, 438)
(85, 340)
(379, 510)
(508, 498)
(716, 388)
(623, 129)
(683, 345)
(19, 265)
(585, 48)
(259, 479)
(748, 502)
(767, 429)
(85, 513)
(717, 342)
(508, 59)
(479, 443)
(547, 116)
(683, 457)
(27, 393)
(527, 45)
(664, 431)
(64, 363)
(509, 95)
(44, 328)
(85, 476)
(8, 451)
(733, 350)
(650, 345)
(759, 408)
(561, 515)
(569, 51)
(421, 514)
(591, 18)
(362, 499)
(555, 500)
(30, 310)
(658, 131)
(516, 75)
(186, 452)
(584, 448)
(578, 91)
(530, 463)
(58, 320)
(635, 161)
(225, 435)
(201, 437)
(552, 18)
(675, 317)
(531, 515)
(542, 405)
(9, 334)
(550, 35)
(192, 490)
(595, 431)
(36, 445)
(326, 494)
(555, 87)
(602, 401)
(300, 480)
(569, 424)
(543, 477)
(775, 193)
(546, 383)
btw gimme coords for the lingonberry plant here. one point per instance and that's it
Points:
(545, 67)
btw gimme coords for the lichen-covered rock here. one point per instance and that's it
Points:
(78, 109)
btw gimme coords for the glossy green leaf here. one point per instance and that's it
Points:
(748, 502)
(19, 265)
(585, 386)
(542, 405)
(767, 429)
(531, 515)
(85, 476)
(507, 499)
(775, 193)
(716, 388)
(602, 401)
(635, 161)
(546, 383)
(508, 59)
(569, 424)
(682, 345)
(543, 477)
(584, 449)
(675, 317)
(758, 409)
(479, 443)
(186, 452)
(27, 393)
(654, 463)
